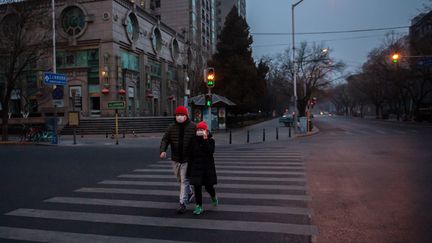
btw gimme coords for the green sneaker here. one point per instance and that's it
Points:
(215, 201)
(198, 210)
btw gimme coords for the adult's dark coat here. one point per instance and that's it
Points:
(179, 136)
(201, 168)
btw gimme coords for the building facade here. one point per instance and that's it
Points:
(109, 50)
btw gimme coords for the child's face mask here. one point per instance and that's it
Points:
(200, 133)
(180, 118)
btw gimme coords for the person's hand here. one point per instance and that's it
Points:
(162, 155)
(205, 135)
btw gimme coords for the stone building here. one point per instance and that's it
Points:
(110, 50)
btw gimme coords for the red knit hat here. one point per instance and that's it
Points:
(202, 125)
(181, 110)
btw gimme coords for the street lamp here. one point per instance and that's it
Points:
(294, 62)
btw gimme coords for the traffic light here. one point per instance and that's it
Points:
(395, 57)
(210, 77)
(208, 100)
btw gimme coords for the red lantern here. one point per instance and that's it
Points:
(105, 91)
(122, 92)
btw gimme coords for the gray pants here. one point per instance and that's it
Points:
(185, 189)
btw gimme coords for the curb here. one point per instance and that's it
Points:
(315, 130)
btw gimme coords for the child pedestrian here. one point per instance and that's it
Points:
(201, 170)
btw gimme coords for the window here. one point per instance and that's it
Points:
(73, 20)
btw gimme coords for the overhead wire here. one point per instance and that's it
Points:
(331, 32)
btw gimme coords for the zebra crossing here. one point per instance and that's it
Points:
(262, 193)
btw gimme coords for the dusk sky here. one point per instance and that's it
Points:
(329, 15)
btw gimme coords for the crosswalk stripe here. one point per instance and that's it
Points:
(241, 167)
(166, 205)
(176, 193)
(262, 153)
(220, 178)
(260, 163)
(248, 162)
(37, 235)
(231, 186)
(245, 226)
(257, 156)
(380, 132)
(231, 172)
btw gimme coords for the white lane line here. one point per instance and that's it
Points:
(248, 162)
(220, 178)
(36, 235)
(414, 131)
(220, 185)
(259, 163)
(242, 167)
(380, 131)
(231, 172)
(258, 156)
(248, 226)
(165, 205)
(176, 193)
(348, 133)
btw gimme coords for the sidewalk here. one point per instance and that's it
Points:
(273, 132)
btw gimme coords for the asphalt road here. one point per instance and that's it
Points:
(355, 181)
(370, 181)
(125, 194)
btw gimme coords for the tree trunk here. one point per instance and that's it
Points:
(5, 120)
(377, 111)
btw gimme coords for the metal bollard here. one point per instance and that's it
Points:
(289, 134)
(82, 135)
(263, 134)
(124, 133)
(106, 135)
(277, 133)
(230, 137)
(247, 140)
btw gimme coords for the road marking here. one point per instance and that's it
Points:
(234, 156)
(251, 226)
(220, 178)
(36, 235)
(348, 133)
(231, 186)
(249, 162)
(414, 131)
(176, 193)
(166, 205)
(242, 167)
(380, 132)
(231, 172)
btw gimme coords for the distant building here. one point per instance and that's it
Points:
(420, 34)
(110, 50)
(224, 7)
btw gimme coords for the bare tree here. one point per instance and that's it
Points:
(24, 41)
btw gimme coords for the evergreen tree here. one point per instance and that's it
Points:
(236, 74)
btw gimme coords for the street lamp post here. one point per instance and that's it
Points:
(294, 62)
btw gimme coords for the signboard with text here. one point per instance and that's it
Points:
(116, 105)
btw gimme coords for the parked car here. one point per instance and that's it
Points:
(287, 119)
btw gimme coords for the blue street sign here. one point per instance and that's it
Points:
(54, 78)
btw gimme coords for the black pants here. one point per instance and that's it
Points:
(198, 193)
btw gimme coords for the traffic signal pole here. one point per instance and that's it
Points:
(209, 111)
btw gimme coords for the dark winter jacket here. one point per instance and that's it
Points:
(179, 136)
(201, 168)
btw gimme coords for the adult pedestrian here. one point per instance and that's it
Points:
(179, 136)
(201, 169)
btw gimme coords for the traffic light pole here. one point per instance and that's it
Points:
(209, 111)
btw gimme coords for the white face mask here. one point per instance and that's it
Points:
(200, 133)
(180, 118)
